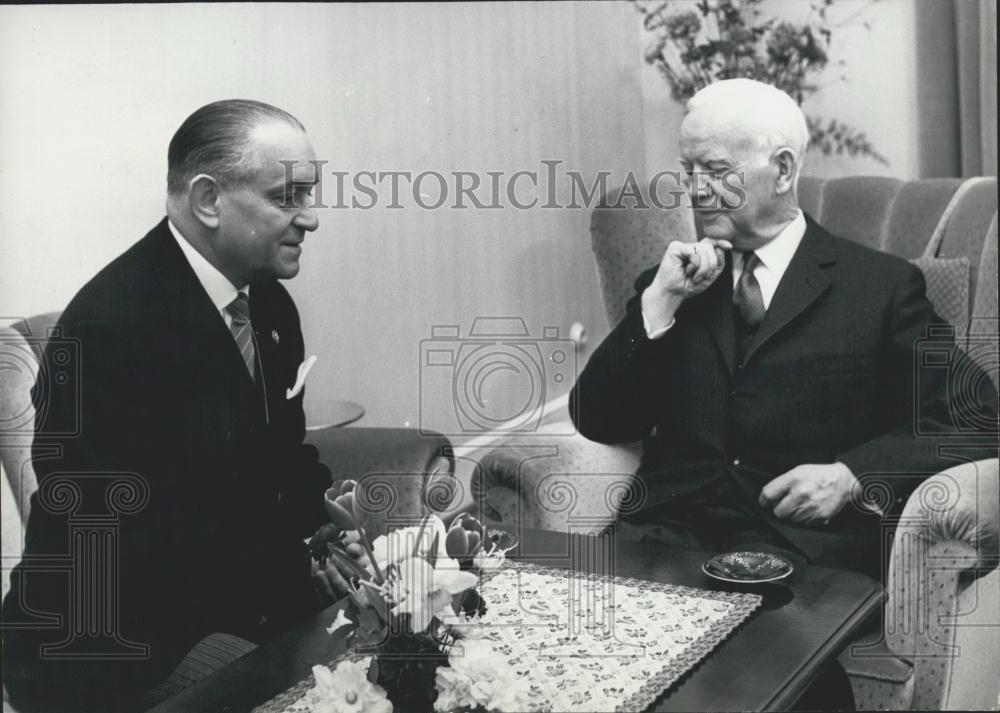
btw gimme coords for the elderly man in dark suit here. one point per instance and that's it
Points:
(770, 365)
(189, 350)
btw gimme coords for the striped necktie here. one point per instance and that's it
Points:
(239, 310)
(747, 296)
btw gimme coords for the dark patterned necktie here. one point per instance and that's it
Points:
(747, 296)
(239, 310)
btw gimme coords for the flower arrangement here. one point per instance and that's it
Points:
(708, 40)
(414, 606)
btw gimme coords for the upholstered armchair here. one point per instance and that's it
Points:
(414, 471)
(938, 646)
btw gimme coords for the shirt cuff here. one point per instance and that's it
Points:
(655, 334)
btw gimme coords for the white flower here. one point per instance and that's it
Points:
(493, 558)
(477, 677)
(513, 695)
(422, 592)
(398, 544)
(339, 622)
(475, 659)
(454, 690)
(485, 561)
(346, 689)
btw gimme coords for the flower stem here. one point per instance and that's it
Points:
(380, 578)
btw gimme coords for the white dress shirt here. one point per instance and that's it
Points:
(220, 290)
(773, 260)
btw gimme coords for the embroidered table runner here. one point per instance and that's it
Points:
(588, 642)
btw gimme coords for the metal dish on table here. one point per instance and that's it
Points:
(747, 567)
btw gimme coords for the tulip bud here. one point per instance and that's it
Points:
(456, 543)
(470, 523)
(340, 509)
(347, 486)
(463, 539)
(361, 515)
(474, 539)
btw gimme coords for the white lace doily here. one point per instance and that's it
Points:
(592, 643)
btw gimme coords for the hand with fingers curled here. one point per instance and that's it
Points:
(687, 269)
(338, 550)
(810, 494)
(330, 575)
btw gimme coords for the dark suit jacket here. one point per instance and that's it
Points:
(215, 488)
(829, 376)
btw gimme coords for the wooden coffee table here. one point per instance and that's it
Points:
(766, 664)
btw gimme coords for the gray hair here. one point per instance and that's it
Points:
(762, 114)
(216, 140)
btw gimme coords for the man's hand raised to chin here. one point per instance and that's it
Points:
(687, 269)
(809, 494)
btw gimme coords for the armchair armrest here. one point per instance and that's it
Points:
(402, 473)
(942, 610)
(562, 483)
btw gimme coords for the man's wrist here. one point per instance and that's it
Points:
(853, 487)
(658, 309)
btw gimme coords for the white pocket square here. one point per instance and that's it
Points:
(300, 378)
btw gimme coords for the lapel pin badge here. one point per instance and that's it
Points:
(274, 336)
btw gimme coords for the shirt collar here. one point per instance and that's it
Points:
(777, 254)
(220, 290)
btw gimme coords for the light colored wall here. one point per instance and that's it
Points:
(880, 95)
(875, 90)
(91, 96)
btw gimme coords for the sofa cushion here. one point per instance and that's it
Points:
(948, 288)
(208, 656)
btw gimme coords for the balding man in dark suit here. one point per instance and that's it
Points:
(189, 347)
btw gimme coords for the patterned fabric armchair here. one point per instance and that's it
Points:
(938, 646)
(417, 469)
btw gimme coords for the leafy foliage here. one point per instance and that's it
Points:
(697, 43)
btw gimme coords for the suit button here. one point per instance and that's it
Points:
(736, 462)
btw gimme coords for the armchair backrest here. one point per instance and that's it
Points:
(628, 240)
(985, 326)
(18, 369)
(933, 217)
(21, 348)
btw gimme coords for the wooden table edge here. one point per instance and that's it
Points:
(786, 698)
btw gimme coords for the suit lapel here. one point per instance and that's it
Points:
(801, 285)
(191, 319)
(719, 315)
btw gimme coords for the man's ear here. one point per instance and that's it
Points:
(205, 200)
(786, 164)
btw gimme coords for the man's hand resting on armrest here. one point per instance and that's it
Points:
(810, 493)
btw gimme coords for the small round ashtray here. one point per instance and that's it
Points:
(747, 567)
